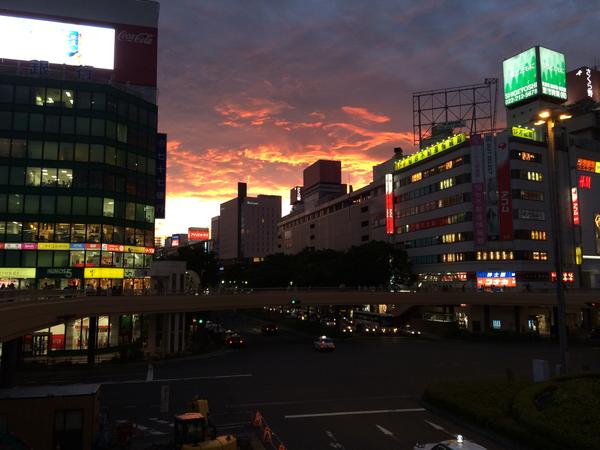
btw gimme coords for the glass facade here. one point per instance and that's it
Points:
(77, 185)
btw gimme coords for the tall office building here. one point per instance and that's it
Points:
(78, 143)
(247, 226)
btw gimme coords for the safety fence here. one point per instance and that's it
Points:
(267, 435)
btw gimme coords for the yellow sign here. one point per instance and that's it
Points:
(103, 272)
(432, 150)
(17, 272)
(597, 166)
(524, 133)
(578, 256)
(53, 246)
(133, 249)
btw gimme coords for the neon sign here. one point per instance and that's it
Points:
(524, 133)
(575, 205)
(430, 151)
(389, 203)
(585, 182)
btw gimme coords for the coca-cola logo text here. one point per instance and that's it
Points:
(136, 38)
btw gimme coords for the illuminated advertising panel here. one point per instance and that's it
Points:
(575, 205)
(496, 279)
(389, 203)
(56, 42)
(597, 232)
(198, 234)
(104, 272)
(568, 277)
(553, 73)
(430, 151)
(583, 84)
(504, 193)
(520, 77)
(524, 133)
(17, 272)
(175, 240)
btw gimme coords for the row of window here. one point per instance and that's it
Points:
(418, 176)
(491, 255)
(12, 231)
(529, 214)
(523, 194)
(451, 238)
(433, 205)
(529, 175)
(75, 205)
(448, 238)
(53, 98)
(94, 180)
(433, 223)
(76, 151)
(435, 187)
(73, 258)
(37, 176)
(526, 156)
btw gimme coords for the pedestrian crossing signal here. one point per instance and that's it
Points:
(294, 301)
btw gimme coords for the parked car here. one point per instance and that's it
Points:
(235, 340)
(270, 329)
(324, 344)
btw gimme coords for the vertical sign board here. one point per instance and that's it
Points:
(389, 203)
(477, 190)
(520, 77)
(534, 72)
(597, 232)
(504, 194)
(491, 187)
(161, 175)
(575, 205)
(553, 73)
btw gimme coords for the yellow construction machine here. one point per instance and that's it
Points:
(194, 431)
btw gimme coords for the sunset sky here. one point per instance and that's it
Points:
(255, 90)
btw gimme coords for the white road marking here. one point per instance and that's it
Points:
(153, 418)
(162, 380)
(321, 400)
(333, 442)
(354, 413)
(439, 428)
(164, 422)
(156, 433)
(141, 427)
(150, 372)
(384, 430)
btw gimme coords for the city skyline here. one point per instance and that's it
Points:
(257, 92)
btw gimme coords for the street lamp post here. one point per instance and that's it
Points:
(550, 118)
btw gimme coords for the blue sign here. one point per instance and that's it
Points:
(76, 246)
(496, 274)
(161, 175)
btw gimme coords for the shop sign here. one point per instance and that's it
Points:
(113, 248)
(430, 151)
(62, 272)
(104, 272)
(134, 249)
(77, 246)
(53, 246)
(12, 246)
(17, 272)
(93, 246)
(524, 133)
(136, 273)
(149, 250)
(29, 246)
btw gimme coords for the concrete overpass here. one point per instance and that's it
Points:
(23, 313)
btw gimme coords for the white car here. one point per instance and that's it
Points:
(323, 344)
(454, 444)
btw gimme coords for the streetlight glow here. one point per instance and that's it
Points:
(544, 114)
(565, 116)
(539, 122)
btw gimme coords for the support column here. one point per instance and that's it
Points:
(92, 340)
(10, 359)
(151, 339)
(183, 332)
(176, 331)
(486, 318)
(517, 312)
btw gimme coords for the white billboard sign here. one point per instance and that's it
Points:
(57, 42)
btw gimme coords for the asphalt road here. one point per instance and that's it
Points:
(364, 395)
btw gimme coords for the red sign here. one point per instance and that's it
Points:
(136, 54)
(504, 197)
(585, 182)
(575, 205)
(568, 277)
(389, 203)
(198, 234)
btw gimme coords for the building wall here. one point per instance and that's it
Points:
(349, 220)
(228, 230)
(259, 230)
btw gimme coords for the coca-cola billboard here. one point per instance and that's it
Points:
(135, 54)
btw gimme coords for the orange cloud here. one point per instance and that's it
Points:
(365, 114)
(249, 111)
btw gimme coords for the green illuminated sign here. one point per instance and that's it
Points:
(554, 73)
(520, 77)
(430, 151)
(524, 133)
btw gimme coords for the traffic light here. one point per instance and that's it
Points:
(294, 301)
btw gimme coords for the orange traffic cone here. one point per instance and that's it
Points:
(281, 447)
(267, 438)
(257, 421)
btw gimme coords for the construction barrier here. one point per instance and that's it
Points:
(266, 434)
